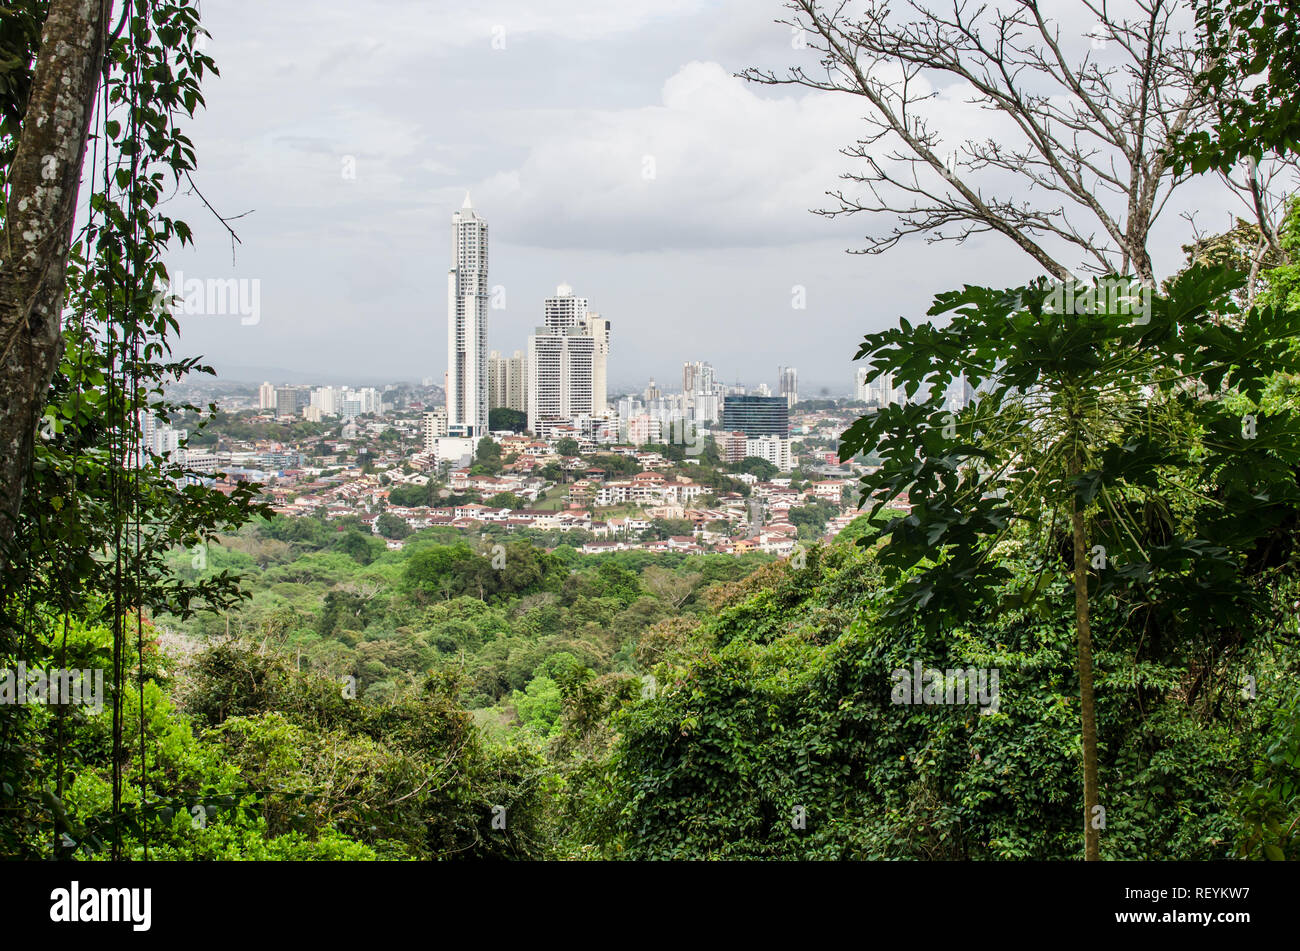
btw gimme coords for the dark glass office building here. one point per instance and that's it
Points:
(756, 415)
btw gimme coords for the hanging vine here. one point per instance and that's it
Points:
(102, 511)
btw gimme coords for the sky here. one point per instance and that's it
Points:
(609, 146)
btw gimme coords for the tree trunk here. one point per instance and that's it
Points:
(1087, 712)
(44, 180)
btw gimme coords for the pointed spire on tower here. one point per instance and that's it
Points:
(466, 203)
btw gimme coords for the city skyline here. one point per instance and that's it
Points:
(642, 171)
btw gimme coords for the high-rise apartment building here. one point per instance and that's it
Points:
(598, 330)
(289, 400)
(508, 381)
(467, 306)
(433, 426)
(774, 449)
(567, 362)
(563, 310)
(788, 384)
(266, 396)
(698, 377)
(733, 446)
(879, 391)
(959, 394)
(559, 376)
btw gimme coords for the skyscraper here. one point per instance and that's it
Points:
(959, 394)
(467, 305)
(566, 362)
(788, 383)
(559, 376)
(757, 416)
(879, 391)
(598, 329)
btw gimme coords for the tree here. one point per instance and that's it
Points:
(42, 183)
(757, 466)
(669, 586)
(410, 495)
(487, 458)
(1117, 425)
(502, 418)
(392, 526)
(1077, 167)
(567, 446)
(1252, 51)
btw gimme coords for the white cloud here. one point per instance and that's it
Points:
(713, 164)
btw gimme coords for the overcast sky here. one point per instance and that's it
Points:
(548, 112)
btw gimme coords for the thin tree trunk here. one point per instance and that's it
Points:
(44, 180)
(1087, 711)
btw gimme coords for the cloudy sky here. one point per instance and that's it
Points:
(609, 146)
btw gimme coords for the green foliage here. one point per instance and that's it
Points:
(755, 466)
(782, 699)
(1258, 40)
(501, 419)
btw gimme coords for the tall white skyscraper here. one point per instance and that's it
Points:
(467, 306)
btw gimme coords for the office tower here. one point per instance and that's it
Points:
(597, 328)
(467, 304)
(788, 384)
(266, 396)
(756, 415)
(651, 391)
